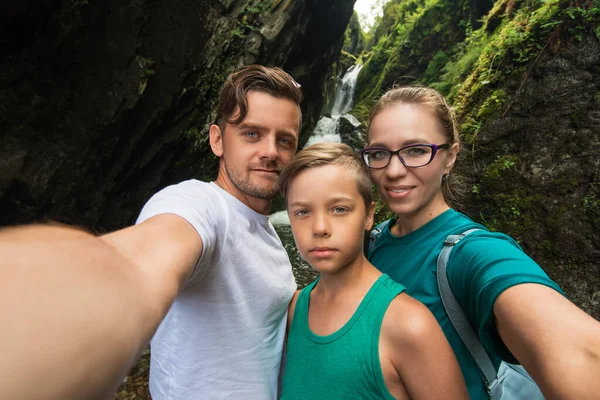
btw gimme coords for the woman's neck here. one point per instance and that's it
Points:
(407, 223)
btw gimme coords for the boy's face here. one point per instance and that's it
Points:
(328, 217)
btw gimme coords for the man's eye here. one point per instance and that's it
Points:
(251, 134)
(286, 141)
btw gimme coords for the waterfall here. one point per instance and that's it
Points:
(326, 129)
(345, 91)
(327, 126)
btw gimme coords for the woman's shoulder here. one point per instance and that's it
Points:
(481, 236)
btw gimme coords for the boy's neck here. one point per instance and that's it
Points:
(357, 274)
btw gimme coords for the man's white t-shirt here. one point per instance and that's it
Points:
(223, 336)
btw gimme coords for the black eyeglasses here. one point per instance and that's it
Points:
(413, 156)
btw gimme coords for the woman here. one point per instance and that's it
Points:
(514, 308)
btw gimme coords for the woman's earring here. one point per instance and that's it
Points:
(445, 177)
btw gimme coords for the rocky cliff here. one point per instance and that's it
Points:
(102, 103)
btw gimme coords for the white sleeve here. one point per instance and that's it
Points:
(194, 202)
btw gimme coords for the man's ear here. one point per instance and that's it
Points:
(451, 159)
(370, 216)
(216, 140)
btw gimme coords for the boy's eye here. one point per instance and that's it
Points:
(339, 210)
(301, 213)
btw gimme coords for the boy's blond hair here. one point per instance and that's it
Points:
(321, 154)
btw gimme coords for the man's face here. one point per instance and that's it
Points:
(254, 152)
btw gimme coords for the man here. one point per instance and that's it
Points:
(203, 256)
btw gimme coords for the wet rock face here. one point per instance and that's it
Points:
(537, 171)
(352, 132)
(104, 103)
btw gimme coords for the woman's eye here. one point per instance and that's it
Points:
(415, 151)
(379, 155)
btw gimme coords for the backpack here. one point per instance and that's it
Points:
(511, 381)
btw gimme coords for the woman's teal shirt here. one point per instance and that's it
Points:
(480, 268)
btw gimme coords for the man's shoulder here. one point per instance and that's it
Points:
(190, 185)
(188, 199)
(191, 191)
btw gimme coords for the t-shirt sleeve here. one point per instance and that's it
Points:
(480, 268)
(191, 201)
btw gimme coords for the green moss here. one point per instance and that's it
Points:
(250, 17)
(565, 185)
(492, 105)
(498, 168)
(413, 35)
(591, 209)
(512, 212)
(354, 37)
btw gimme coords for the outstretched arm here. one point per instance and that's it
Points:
(556, 342)
(76, 310)
(420, 352)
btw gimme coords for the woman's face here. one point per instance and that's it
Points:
(411, 192)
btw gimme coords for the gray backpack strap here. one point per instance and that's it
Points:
(457, 315)
(375, 234)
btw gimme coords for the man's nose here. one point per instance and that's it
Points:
(268, 149)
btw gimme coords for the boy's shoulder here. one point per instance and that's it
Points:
(407, 322)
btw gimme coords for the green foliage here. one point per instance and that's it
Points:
(591, 208)
(250, 17)
(455, 71)
(497, 168)
(354, 37)
(435, 66)
(492, 105)
(415, 36)
(469, 129)
(584, 15)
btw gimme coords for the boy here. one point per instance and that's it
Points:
(352, 332)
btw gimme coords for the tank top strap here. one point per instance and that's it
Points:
(387, 289)
(300, 318)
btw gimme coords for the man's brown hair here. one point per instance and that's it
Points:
(321, 154)
(270, 80)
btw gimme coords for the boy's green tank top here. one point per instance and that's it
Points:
(345, 364)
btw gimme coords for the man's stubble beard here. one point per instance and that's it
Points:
(245, 185)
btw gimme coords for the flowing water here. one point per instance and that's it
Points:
(327, 126)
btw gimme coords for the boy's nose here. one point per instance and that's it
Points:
(321, 227)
